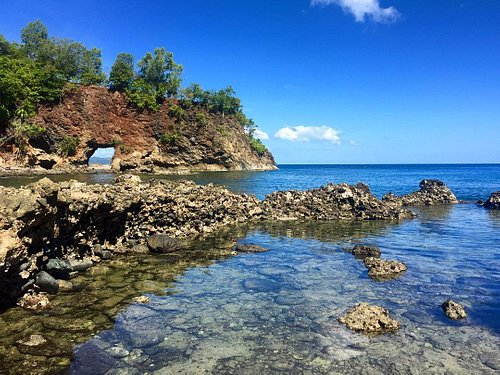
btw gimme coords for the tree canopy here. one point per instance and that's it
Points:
(37, 69)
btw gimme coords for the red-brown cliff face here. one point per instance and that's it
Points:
(195, 140)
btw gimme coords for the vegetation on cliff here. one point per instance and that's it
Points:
(40, 69)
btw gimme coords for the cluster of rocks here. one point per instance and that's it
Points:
(63, 228)
(431, 192)
(332, 202)
(372, 319)
(65, 223)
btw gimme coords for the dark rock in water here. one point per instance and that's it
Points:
(260, 285)
(431, 192)
(161, 243)
(59, 268)
(248, 248)
(369, 319)
(480, 202)
(46, 283)
(80, 265)
(380, 269)
(91, 353)
(493, 202)
(363, 251)
(454, 310)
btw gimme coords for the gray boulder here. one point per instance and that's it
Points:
(161, 243)
(46, 283)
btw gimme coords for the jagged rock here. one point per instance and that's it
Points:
(160, 243)
(331, 202)
(141, 299)
(248, 248)
(127, 179)
(431, 192)
(380, 269)
(34, 301)
(454, 310)
(363, 251)
(493, 201)
(369, 319)
(46, 283)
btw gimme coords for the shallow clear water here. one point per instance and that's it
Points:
(277, 311)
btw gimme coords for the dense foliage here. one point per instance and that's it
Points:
(42, 67)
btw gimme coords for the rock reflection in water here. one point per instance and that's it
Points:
(277, 311)
(74, 317)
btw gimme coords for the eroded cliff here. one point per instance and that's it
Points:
(174, 139)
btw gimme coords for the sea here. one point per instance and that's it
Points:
(277, 312)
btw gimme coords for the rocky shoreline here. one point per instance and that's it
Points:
(77, 224)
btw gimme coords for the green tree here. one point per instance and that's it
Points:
(161, 72)
(4, 46)
(33, 36)
(122, 72)
(224, 101)
(91, 68)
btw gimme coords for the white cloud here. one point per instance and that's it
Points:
(309, 133)
(363, 9)
(354, 143)
(261, 135)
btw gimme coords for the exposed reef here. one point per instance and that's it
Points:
(63, 228)
(493, 202)
(431, 192)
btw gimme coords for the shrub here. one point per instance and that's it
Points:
(201, 119)
(257, 145)
(177, 112)
(68, 145)
(171, 137)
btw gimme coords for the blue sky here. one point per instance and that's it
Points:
(329, 81)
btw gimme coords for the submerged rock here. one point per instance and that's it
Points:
(454, 310)
(369, 319)
(380, 269)
(46, 283)
(431, 192)
(161, 243)
(248, 248)
(363, 251)
(81, 265)
(493, 202)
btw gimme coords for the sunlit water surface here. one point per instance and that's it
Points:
(277, 311)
